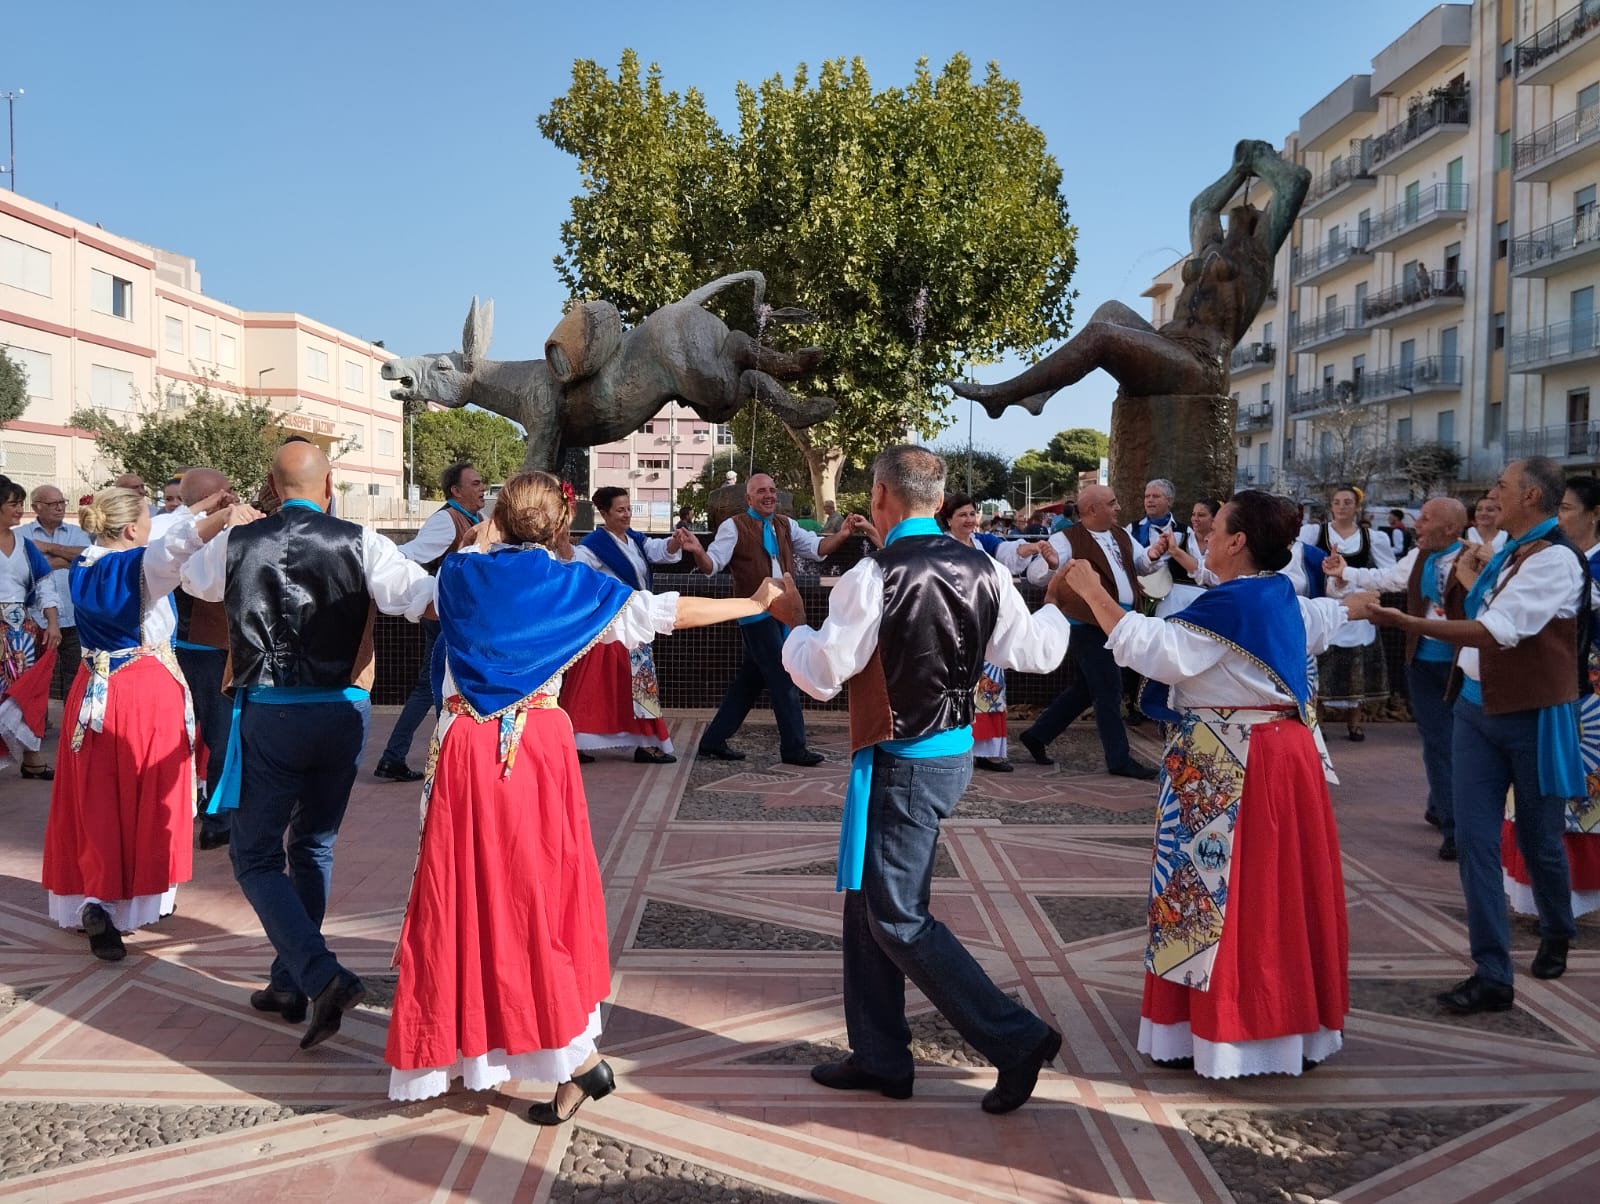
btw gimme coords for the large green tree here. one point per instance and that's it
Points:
(924, 226)
(1052, 472)
(492, 444)
(13, 388)
(990, 475)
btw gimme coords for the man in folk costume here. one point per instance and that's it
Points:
(611, 694)
(1097, 681)
(909, 630)
(1433, 592)
(1516, 683)
(755, 545)
(447, 530)
(300, 588)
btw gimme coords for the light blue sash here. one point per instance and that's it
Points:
(226, 796)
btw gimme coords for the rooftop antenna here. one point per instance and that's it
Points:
(11, 129)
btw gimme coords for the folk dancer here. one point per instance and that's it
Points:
(27, 650)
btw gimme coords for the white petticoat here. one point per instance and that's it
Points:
(126, 914)
(588, 742)
(485, 1071)
(1231, 1060)
(1521, 899)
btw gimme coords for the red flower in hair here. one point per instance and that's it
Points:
(571, 495)
(86, 499)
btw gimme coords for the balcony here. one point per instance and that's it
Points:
(1569, 243)
(1259, 476)
(1426, 126)
(1254, 417)
(1342, 248)
(1335, 326)
(1564, 145)
(1439, 205)
(1555, 346)
(1344, 179)
(1434, 374)
(1252, 357)
(1564, 441)
(1324, 396)
(1423, 292)
(1566, 43)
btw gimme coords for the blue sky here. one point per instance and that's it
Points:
(374, 165)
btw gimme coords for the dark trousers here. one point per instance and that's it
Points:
(418, 703)
(1096, 682)
(213, 715)
(299, 765)
(1426, 681)
(889, 935)
(762, 666)
(67, 657)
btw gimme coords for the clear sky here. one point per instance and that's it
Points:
(375, 164)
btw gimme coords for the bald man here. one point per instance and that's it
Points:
(133, 481)
(299, 594)
(1432, 592)
(755, 545)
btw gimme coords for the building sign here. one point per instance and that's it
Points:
(302, 422)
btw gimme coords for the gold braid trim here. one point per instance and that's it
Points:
(1249, 656)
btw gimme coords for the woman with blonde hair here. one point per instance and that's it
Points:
(503, 951)
(117, 842)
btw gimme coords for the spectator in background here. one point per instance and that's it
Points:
(832, 520)
(1486, 524)
(686, 518)
(172, 494)
(1068, 516)
(1400, 536)
(133, 481)
(61, 543)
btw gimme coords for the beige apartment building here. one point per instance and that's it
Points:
(1436, 302)
(659, 459)
(101, 321)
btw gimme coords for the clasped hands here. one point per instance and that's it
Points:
(781, 600)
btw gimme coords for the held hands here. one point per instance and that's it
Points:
(221, 498)
(860, 524)
(1333, 565)
(1364, 605)
(788, 607)
(1048, 552)
(684, 540)
(1078, 578)
(767, 593)
(239, 514)
(1161, 546)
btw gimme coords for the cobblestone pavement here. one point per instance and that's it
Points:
(152, 1079)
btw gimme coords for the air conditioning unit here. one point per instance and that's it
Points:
(636, 472)
(655, 476)
(1261, 353)
(1427, 371)
(701, 438)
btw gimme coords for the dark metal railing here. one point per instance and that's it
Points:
(1256, 477)
(1343, 244)
(1559, 136)
(1248, 355)
(1431, 372)
(1343, 172)
(1444, 110)
(1557, 240)
(1253, 416)
(1325, 326)
(1429, 202)
(1420, 285)
(1576, 22)
(1326, 394)
(1560, 442)
(1561, 340)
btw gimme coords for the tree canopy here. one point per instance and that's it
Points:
(13, 388)
(924, 226)
(1054, 469)
(492, 443)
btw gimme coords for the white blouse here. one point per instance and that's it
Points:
(1361, 633)
(655, 549)
(14, 577)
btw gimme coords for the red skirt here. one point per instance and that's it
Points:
(1282, 967)
(122, 806)
(989, 726)
(1583, 865)
(597, 693)
(504, 941)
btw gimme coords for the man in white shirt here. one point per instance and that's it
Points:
(61, 543)
(1097, 681)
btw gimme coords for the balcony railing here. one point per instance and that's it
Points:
(1557, 138)
(1419, 376)
(1253, 417)
(1564, 441)
(1424, 119)
(1554, 344)
(1575, 23)
(1344, 245)
(1418, 287)
(1354, 169)
(1331, 325)
(1328, 393)
(1247, 356)
(1442, 201)
(1550, 245)
(1259, 476)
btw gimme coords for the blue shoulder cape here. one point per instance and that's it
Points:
(108, 601)
(607, 553)
(511, 620)
(38, 569)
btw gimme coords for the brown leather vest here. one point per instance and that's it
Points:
(463, 533)
(1540, 671)
(1455, 597)
(1085, 547)
(750, 564)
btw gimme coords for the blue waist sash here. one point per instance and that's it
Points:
(1560, 757)
(226, 797)
(1071, 622)
(193, 647)
(853, 831)
(1430, 649)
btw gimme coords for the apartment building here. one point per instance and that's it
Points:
(97, 320)
(657, 460)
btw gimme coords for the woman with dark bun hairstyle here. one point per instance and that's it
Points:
(1246, 965)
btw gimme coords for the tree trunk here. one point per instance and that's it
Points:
(824, 466)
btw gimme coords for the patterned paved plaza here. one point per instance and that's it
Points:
(152, 1079)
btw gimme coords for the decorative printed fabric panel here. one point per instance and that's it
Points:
(646, 690)
(989, 696)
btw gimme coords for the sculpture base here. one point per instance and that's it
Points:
(1188, 440)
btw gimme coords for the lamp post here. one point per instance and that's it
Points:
(11, 134)
(260, 388)
(672, 461)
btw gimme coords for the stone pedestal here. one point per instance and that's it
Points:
(1189, 440)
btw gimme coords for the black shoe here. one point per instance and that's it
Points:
(341, 994)
(1551, 960)
(654, 756)
(1035, 747)
(1447, 850)
(39, 773)
(719, 754)
(1478, 994)
(396, 771)
(1173, 1063)
(211, 838)
(105, 942)
(1014, 1086)
(291, 1005)
(805, 758)
(585, 758)
(847, 1076)
(1133, 769)
(1355, 735)
(992, 764)
(595, 1084)
(1432, 817)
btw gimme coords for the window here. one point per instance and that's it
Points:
(1413, 200)
(1502, 240)
(1359, 313)
(1266, 393)
(1363, 227)
(1507, 61)
(1583, 201)
(1588, 101)
(175, 398)
(355, 377)
(1447, 426)
(724, 435)
(386, 443)
(1493, 419)
(316, 363)
(24, 267)
(613, 460)
(1402, 431)
(686, 464)
(1499, 331)
(1502, 150)
(202, 344)
(649, 428)
(1288, 448)
(227, 351)
(110, 294)
(109, 388)
(652, 462)
(37, 367)
(172, 334)
(1266, 333)
(1358, 365)
(356, 439)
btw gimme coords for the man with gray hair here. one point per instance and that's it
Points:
(62, 544)
(909, 630)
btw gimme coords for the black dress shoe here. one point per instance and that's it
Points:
(1014, 1086)
(291, 1005)
(992, 764)
(654, 756)
(341, 994)
(1551, 960)
(723, 753)
(1447, 850)
(1432, 817)
(1173, 1063)
(805, 758)
(396, 771)
(1035, 747)
(585, 758)
(212, 838)
(1133, 769)
(1355, 735)
(105, 942)
(39, 773)
(595, 1084)
(1478, 994)
(847, 1076)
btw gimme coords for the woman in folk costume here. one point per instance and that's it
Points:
(117, 842)
(25, 584)
(503, 952)
(1246, 966)
(611, 695)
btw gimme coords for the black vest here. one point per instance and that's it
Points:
(297, 600)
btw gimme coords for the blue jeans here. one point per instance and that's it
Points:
(890, 937)
(213, 715)
(1096, 682)
(1426, 682)
(1494, 753)
(299, 764)
(762, 666)
(418, 703)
